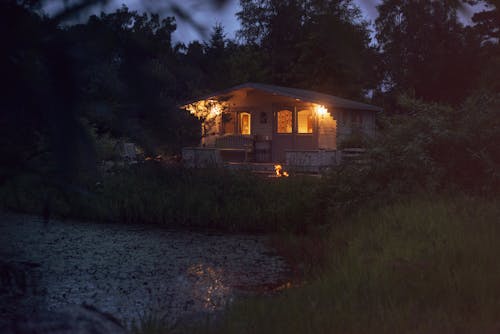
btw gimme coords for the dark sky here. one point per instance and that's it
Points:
(203, 13)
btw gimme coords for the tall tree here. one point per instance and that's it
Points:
(135, 51)
(216, 56)
(335, 53)
(487, 29)
(425, 51)
(316, 44)
(38, 118)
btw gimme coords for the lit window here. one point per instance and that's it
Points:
(284, 121)
(304, 121)
(245, 124)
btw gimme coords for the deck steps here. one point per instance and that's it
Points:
(254, 166)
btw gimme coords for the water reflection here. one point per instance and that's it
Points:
(133, 273)
(208, 288)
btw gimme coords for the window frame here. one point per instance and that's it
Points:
(297, 111)
(240, 123)
(295, 114)
(291, 111)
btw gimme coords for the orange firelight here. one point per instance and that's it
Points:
(278, 169)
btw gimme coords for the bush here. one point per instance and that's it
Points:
(431, 148)
(436, 146)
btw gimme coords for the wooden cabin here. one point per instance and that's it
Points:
(260, 123)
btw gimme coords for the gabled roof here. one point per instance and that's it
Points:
(302, 94)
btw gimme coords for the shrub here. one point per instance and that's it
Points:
(431, 148)
(439, 146)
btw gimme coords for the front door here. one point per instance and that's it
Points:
(283, 138)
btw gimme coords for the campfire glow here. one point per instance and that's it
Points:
(278, 169)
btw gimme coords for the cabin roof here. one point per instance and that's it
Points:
(302, 94)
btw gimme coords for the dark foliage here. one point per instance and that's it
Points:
(431, 148)
(428, 53)
(322, 45)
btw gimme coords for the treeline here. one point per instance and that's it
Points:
(120, 73)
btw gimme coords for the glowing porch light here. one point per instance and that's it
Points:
(320, 110)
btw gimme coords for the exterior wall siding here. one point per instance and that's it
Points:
(347, 124)
(327, 132)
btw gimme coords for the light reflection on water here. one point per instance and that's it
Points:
(208, 288)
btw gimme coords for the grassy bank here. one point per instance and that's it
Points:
(174, 197)
(422, 266)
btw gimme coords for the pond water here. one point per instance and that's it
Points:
(129, 271)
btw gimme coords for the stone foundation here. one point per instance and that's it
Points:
(311, 161)
(201, 157)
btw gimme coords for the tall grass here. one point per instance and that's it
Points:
(421, 266)
(221, 199)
